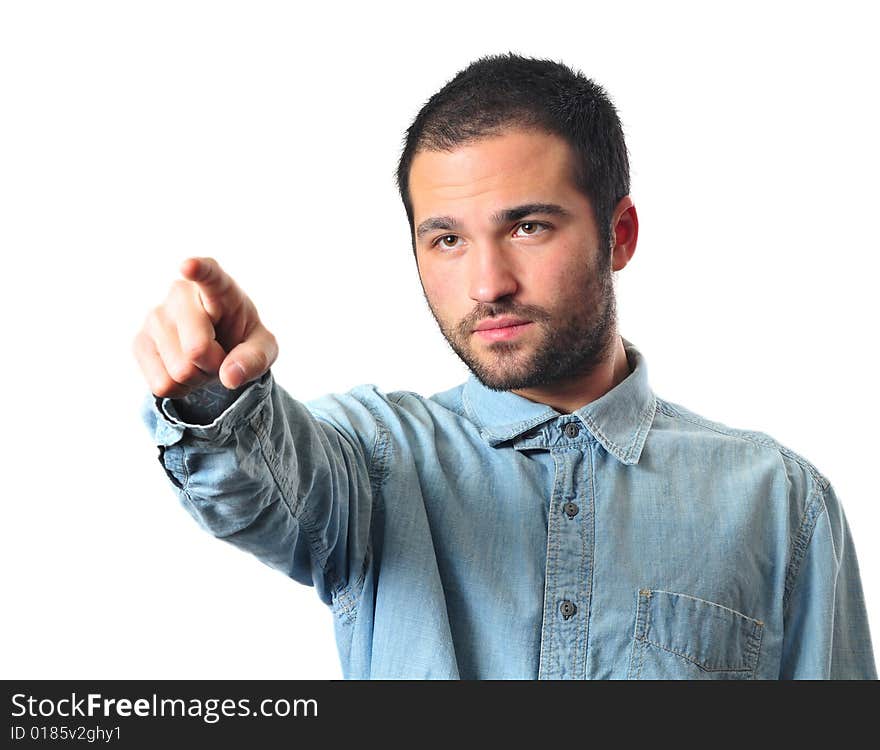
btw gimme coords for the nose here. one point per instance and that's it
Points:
(492, 275)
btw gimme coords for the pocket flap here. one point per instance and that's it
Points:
(711, 635)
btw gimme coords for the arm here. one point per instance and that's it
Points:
(269, 477)
(826, 625)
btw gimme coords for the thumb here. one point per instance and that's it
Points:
(250, 359)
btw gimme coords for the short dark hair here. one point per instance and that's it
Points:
(497, 92)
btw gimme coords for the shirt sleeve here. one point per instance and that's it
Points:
(269, 477)
(826, 636)
(203, 405)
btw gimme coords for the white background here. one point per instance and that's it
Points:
(133, 135)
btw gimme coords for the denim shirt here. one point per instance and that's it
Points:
(477, 534)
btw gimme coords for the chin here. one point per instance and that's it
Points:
(498, 377)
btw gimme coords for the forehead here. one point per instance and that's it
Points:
(511, 167)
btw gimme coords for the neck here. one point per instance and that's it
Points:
(573, 393)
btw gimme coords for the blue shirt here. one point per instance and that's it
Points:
(477, 534)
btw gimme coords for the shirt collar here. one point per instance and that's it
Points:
(619, 419)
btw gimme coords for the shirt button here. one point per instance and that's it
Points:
(567, 608)
(571, 429)
(571, 509)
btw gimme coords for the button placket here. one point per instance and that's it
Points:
(568, 571)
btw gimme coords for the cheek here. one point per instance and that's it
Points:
(560, 271)
(441, 290)
(566, 274)
(552, 284)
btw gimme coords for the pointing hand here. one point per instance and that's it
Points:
(206, 329)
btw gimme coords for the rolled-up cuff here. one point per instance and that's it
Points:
(167, 427)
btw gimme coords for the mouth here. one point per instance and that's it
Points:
(501, 330)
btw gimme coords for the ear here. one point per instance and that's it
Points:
(624, 233)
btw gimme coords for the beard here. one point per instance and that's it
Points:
(571, 345)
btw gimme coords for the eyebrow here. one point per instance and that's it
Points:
(501, 217)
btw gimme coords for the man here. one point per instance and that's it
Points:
(549, 518)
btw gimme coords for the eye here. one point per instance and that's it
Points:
(531, 228)
(442, 241)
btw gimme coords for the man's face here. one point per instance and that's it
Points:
(480, 257)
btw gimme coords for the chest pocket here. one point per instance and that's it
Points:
(681, 637)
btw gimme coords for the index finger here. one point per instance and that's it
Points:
(218, 292)
(213, 282)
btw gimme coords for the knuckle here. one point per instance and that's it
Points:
(180, 372)
(197, 350)
(261, 359)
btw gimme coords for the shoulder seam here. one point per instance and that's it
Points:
(378, 463)
(764, 441)
(346, 596)
(812, 512)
